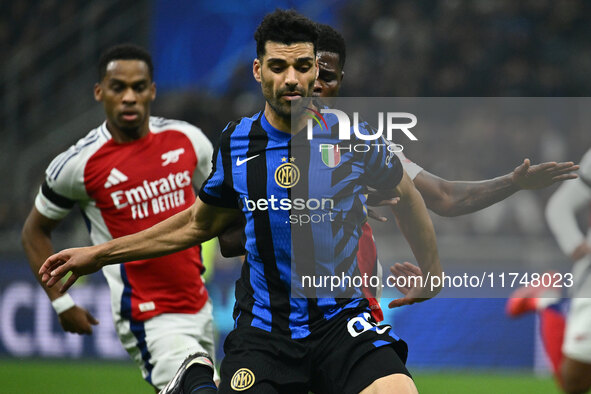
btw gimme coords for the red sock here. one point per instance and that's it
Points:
(552, 325)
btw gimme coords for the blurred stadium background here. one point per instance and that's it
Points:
(203, 53)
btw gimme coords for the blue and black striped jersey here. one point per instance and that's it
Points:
(304, 204)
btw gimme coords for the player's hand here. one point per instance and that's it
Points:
(413, 286)
(77, 320)
(581, 251)
(79, 261)
(406, 270)
(377, 199)
(538, 176)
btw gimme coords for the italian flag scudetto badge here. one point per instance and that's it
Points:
(331, 155)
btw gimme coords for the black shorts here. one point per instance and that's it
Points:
(344, 355)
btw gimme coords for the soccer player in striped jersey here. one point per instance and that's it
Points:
(282, 343)
(446, 198)
(126, 175)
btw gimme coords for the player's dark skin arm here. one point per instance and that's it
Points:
(453, 198)
(36, 240)
(195, 225)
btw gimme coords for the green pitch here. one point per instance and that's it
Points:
(483, 383)
(26, 377)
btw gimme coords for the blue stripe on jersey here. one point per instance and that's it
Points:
(126, 294)
(69, 154)
(59, 161)
(103, 130)
(139, 331)
(380, 343)
(264, 290)
(136, 327)
(278, 152)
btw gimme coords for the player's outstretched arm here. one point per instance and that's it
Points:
(454, 198)
(414, 221)
(36, 240)
(194, 225)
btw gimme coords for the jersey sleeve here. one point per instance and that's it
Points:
(383, 167)
(411, 168)
(63, 186)
(217, 189)
(204, 151)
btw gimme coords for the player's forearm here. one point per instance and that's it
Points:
(561, 212)
(469, 197)
(460, 198)
(415, 223)
(171, 235)
(37, 246)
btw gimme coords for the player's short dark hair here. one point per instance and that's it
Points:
(330, 40)
(285, 27)
(124, 52)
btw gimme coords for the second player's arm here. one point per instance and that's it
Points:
(36, 240)
(192, 226)
(414, 221)
(454, 198)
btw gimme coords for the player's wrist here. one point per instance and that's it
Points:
(513, 182)
(63, 303)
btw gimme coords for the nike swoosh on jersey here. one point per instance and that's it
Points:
(239, 162)
(382, 329)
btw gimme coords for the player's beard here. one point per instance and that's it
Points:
(132, 132)
(287, 109)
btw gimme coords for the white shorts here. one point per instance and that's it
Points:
(159, 345)
(577, 338)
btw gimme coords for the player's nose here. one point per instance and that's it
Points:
(129, 96)
(291, 79)
(317, 87)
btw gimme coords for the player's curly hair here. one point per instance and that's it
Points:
(330, 40)
(285, 27)
(124, 52)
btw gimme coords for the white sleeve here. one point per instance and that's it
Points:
(561, 211)
(204, 152)
(63, 186)
(411, 168)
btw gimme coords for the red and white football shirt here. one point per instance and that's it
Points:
(125, 188)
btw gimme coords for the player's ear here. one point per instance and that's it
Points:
(153, 91)
(98, 92)
(256, 70)
(317, 68)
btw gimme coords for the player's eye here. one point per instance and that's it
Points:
(117, 87)
(140, 87)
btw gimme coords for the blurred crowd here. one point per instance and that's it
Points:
(457, 48)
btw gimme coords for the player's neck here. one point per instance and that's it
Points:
(123, 136)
